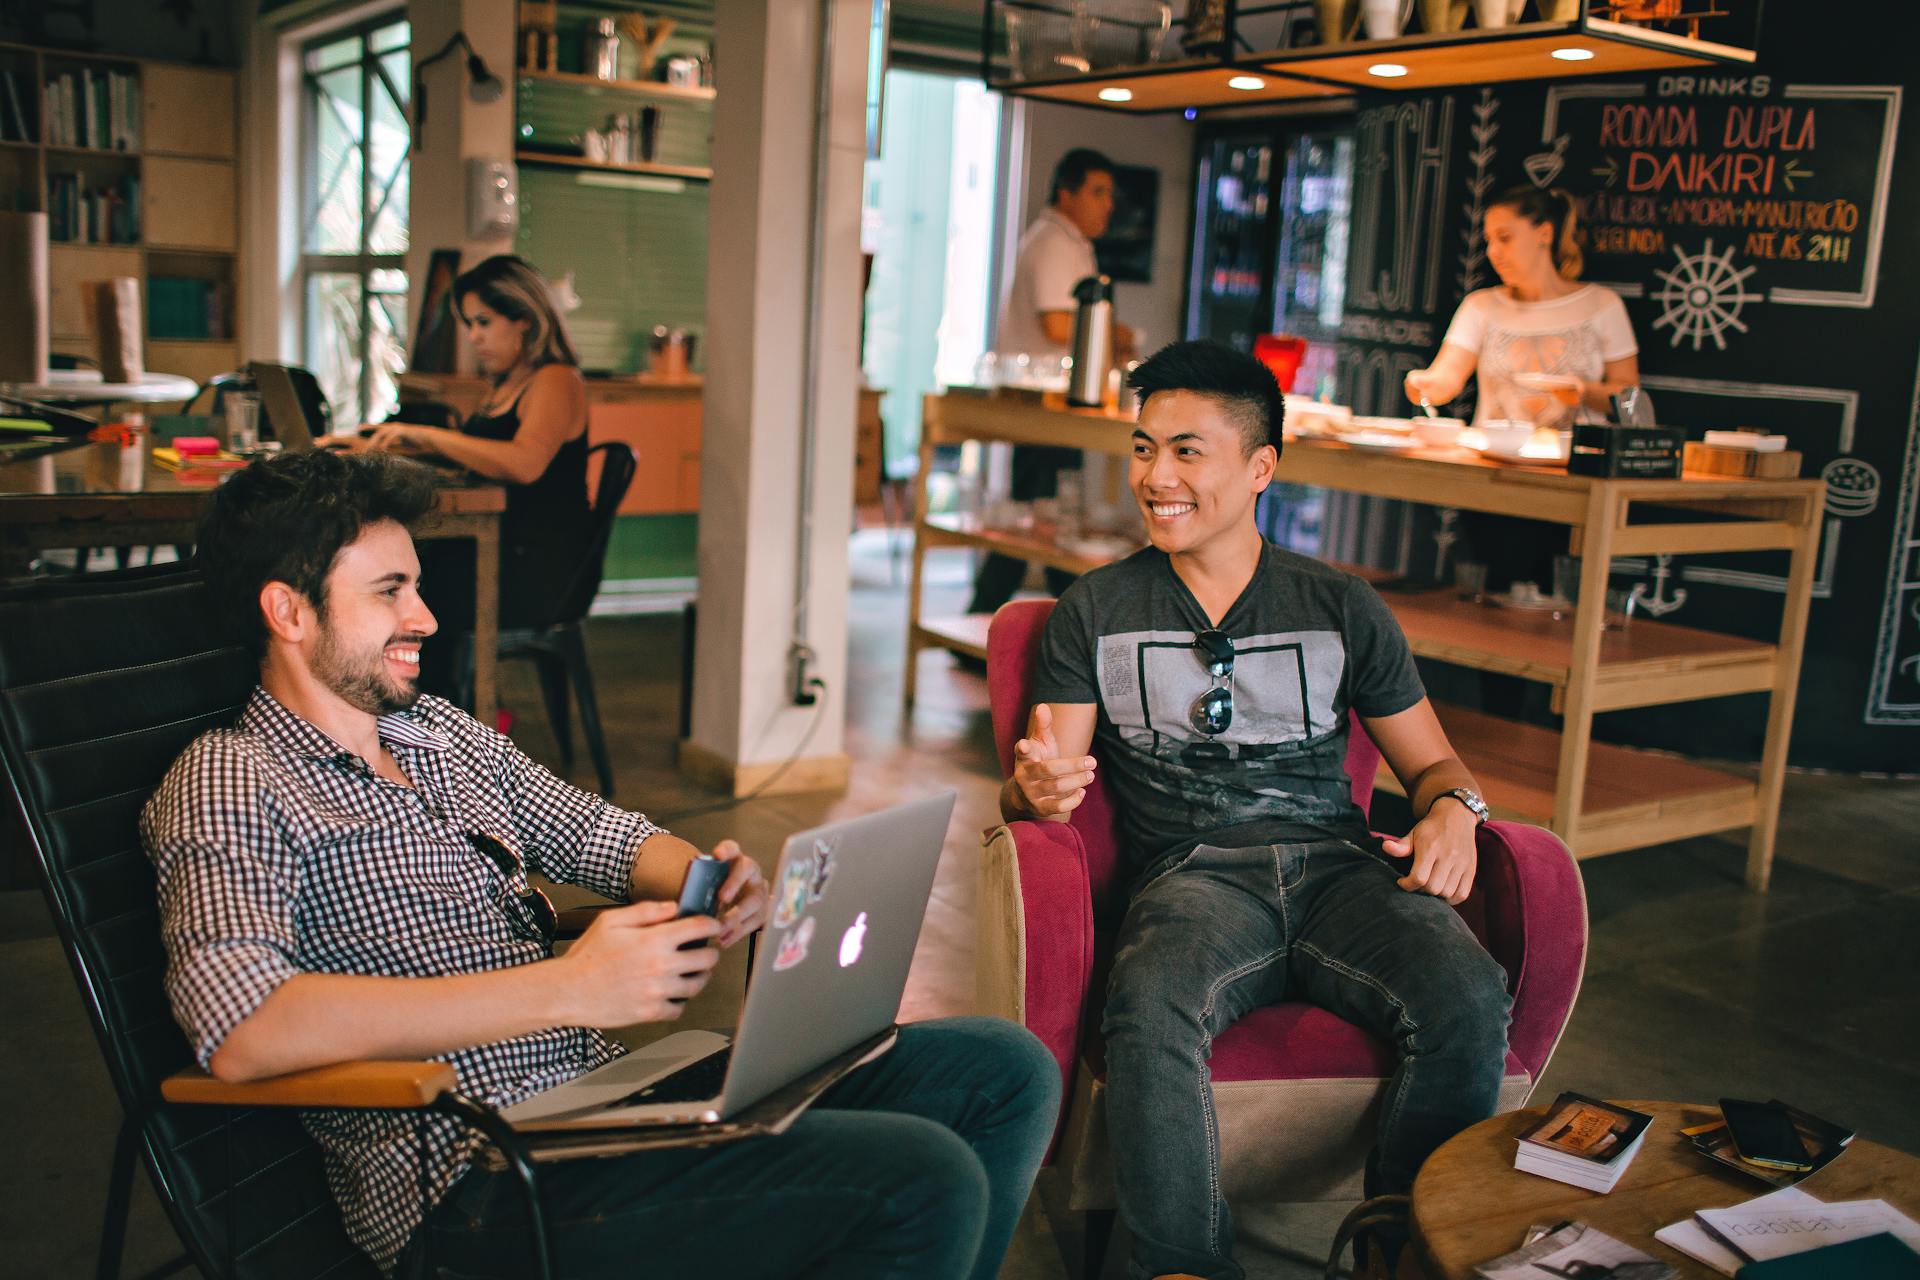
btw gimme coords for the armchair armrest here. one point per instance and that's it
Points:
(1035, 955)
(1535, 918)
(385, 1085)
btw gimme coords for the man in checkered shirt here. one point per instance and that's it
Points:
(342, 875)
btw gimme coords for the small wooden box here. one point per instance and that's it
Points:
(1715, 460)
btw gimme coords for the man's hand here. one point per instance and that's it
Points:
(743, 896)
(1049, 786)
(628, 967)
(1444, 853)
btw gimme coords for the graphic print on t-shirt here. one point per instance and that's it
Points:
(1284, 689)
(1565, 351)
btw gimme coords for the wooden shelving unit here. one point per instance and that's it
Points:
(638, 88)
(1599, 798)
(183, 157)
(688, 172)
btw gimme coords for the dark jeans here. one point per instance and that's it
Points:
(917, 1165)
(1223, 931)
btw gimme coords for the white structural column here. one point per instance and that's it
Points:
(761, 329)
(457, 129)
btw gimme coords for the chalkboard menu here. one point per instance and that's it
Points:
(1752, 221)
(1722, 191)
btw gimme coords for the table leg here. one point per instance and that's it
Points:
(1576, 727)
(929, 427)
(486, 620)
(1786, 685)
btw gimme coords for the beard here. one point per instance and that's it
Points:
(361, 679)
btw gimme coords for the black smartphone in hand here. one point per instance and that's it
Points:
(699, 892)
(1763, 1134)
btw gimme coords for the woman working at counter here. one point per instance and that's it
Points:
(1544, 347)
(531, 432)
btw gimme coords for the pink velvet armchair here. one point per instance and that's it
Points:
(1296, 1088)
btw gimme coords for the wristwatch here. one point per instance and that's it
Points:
(1468, 798)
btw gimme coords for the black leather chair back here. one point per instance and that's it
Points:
(102, 684)
(616, 474)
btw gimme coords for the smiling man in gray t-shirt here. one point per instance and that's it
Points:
(1213, 676)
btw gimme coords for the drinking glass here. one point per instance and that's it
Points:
(1470, 580)
(243, 421)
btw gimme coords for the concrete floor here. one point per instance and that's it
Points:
(1695, 989)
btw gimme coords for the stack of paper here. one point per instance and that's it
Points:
(1583, 1142)
(1575, 1250)
(1781, 1224)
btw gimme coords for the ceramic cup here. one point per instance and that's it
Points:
(1385, 19)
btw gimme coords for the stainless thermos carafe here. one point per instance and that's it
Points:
(1092, 341)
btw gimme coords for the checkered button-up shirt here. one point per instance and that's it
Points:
(280, 853)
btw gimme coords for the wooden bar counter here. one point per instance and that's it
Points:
(1598, 798)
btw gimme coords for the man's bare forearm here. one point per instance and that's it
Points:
(314, 1019)
(660, 867)
(1435, 781)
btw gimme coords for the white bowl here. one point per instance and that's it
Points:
(1315, 417)
(1506, 435)
(1438, 433)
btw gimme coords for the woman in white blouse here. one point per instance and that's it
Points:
(1540, 320)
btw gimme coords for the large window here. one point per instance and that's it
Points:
(353, 239)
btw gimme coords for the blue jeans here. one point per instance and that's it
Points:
(916, 1165)
(1223, 931)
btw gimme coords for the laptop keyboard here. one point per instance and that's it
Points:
(696, 1082)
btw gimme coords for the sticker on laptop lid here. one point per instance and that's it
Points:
(791, 903)
(793, 947)
(822, 866)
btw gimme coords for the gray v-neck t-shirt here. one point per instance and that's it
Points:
(1310, 642)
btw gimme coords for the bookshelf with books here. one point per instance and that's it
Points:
(132, 160)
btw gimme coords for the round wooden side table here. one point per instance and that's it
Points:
(1470, 1204)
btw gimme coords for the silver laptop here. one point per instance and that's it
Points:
(293, 426)
(848, 901)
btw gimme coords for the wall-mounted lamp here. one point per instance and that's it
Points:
(482, 85)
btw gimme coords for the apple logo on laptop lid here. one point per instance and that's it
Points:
(852, 940)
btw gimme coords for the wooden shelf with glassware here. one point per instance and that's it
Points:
(1130, 68)
(133, 161)
(1598, 798)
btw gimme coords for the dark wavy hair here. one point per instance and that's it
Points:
(1243, 386)
(512, 288)
(285, 519)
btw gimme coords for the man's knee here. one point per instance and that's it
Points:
(928, 1175)
(1467, 1009)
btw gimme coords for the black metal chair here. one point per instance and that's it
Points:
(558, 648)
(103, 681)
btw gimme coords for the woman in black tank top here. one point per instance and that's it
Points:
(531, 432)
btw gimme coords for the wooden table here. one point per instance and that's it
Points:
(1598, 798)
(74, 498)
(1470, 1204)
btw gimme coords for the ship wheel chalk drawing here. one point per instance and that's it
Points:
(1702, 296)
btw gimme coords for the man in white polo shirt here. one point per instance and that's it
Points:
(1036, 319)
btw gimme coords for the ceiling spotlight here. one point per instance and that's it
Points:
(1573, 55)
(1246, 82)
(1116, 95)
(1387, 70)
(1191, 114)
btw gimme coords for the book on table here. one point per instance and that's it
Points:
(1782, 1224)
(1877, 1257)
(1583, 1142)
